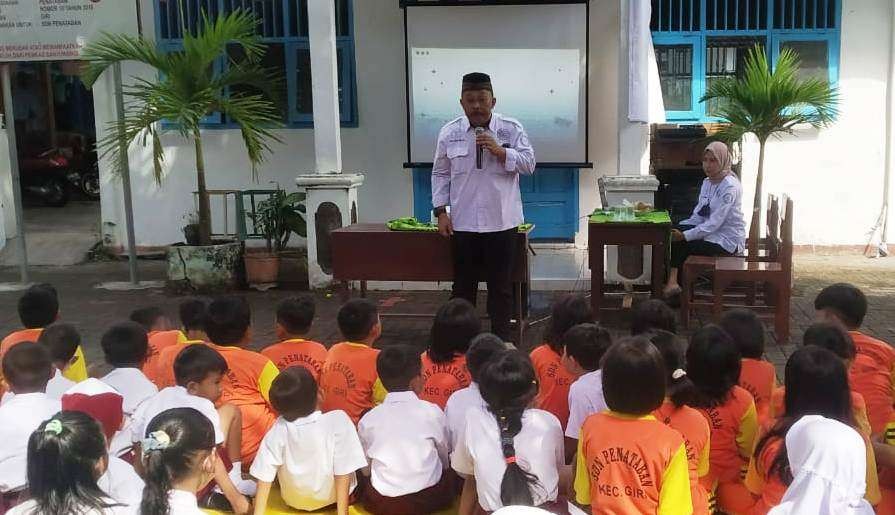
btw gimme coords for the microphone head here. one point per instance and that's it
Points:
(479, 131)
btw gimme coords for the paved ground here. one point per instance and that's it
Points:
(94, 310)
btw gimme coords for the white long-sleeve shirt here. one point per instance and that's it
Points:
(486, 199)
(724, 223)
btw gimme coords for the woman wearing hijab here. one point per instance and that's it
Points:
(827, 462)
(717, 226)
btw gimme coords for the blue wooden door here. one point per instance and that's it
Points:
(549, 200)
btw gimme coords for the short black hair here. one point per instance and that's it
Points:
(456, 324)
(397, 365)
(568, 311)
(483, 348)
(228, 320)
(296, 314)
(125, 345)
(28, 367)
(650, 315)
(195, 362)
(62, 340)
(294, 393)
(587, 343)
(192, 314)
(847, 301)
(147, 317)
(713, 364)
(747, 331)
(38, 306)
(832, 337)
(633, 376)
(356, 319)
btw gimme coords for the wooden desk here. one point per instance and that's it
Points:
(372, 252)
(600, 234)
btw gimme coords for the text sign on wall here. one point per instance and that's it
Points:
(58, 30)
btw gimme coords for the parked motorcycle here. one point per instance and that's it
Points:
(45, 176)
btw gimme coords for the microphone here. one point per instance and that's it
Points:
(479, 149)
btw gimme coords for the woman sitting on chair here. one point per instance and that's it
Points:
(717, 226)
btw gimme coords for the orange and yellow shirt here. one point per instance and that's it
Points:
(441, 380)
(858, 406)
(695, 430)
(872, 374)
(759, 378)
(162, 373)
(553, 383)
(159, 341)
(734, 425)
(349, 380)
(630, 464)
(297, 352)
(76, 371)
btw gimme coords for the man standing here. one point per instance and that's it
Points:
(478, 160)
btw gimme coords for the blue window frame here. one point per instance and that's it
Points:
(698, 41)
(283, 26)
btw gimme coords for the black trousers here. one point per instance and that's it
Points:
(489, 256)
(681, 250)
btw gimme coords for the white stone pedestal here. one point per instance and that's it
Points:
(328, 195)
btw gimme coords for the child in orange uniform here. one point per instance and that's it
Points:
(757, 376)
(685, 420)
(553, 379)
(713, 364)
(444, 364)
(629, 462)
(349, 380)
(247, 381)
(294, 318)
(160, 334)
(192, 322)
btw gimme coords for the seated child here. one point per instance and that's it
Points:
(444, 364)
(553, 380)
(757, 376)
(713, 364)
(62, 340)
(405, 438)
(509, 453)
(484, 348)
(629, 462)
(72, 442)
(179, 458)
(675, 414)
(247, 381)
(314, 455)
(583, 348)
(294, 318)
(349, 381)
(872, 372)
(160, 333)
(27, 368)
(652, 315)
(199, 371)
(192, 323)
(95, 398)
(39, 307)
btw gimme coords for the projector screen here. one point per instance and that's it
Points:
(535, 55)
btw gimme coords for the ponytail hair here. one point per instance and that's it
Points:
(63, 453)
(678, 386)
(175, 439)
(508, 386)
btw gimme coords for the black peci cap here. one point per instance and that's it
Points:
(477, 81)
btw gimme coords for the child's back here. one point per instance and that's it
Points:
(444, 363)
(759, 378)
(693, 427)
(871, 374)
(297, 352)
(443, 379)
(348, 379)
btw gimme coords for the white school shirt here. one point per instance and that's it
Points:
(181, 502)
(585, 399)
(170, 398)
(725, 224)
(29, 507)
(57, 386)
(457, 406)
(121, 482)
(132, 385)
(305, 454)
(539, 451)
(406, 441)
(19, 417)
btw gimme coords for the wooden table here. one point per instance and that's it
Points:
(372, 252)
(601, 234)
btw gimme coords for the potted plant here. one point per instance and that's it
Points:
(277, 218)
(770, 102)
(183, 93)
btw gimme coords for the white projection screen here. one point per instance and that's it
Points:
(536, 56)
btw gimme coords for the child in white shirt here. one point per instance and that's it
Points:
(27, 368)
(314, 455)
(482, 349)
(584, 346)
(405, 439)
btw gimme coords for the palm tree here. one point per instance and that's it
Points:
(186, 90)
(770, 102)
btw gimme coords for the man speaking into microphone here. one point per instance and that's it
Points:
(478, 159)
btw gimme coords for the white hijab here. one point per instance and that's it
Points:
(828, 462)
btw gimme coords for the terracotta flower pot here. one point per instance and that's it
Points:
(262, 267)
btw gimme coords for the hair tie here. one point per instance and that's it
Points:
(511, 459)
(157, 441)
(679, 373)
(53, 426)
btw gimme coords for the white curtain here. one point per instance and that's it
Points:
(644, 89)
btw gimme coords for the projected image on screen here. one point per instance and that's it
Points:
(539, 87)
